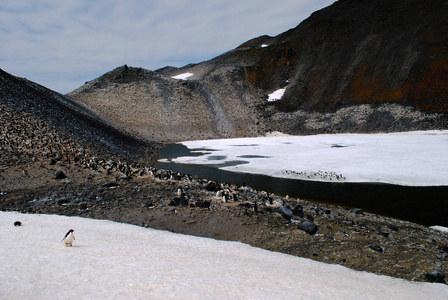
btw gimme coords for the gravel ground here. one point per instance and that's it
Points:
(184, 204)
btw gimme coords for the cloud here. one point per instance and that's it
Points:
(62, 44)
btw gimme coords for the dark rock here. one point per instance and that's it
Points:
(310, 218)
(17, 223)
(383, 233)
(148, 204)
(392, 227)
(203, 203)
(177, 177)
(435, 276)
(110, 185)
(284, 212)
(245, 204)
(212, 186)
(308, 227)
(52, 162)
(82, 205)
(357, 211)
(376, 248)
(60, 175)
(62, 201)
(179, 201)
(298, 211)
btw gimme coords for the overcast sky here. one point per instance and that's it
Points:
(63, 43)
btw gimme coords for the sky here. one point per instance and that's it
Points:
(61, 44)
(111, 260)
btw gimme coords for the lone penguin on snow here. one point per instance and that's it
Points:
(69, 238)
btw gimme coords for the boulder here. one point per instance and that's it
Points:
(284, 211)
(179, 201)
(308, 227)
(357, 211)
(435, 276)
(60, 175)
(110, 185)
(376, 248)
(298, 211)
(212, 186)
(203, 203)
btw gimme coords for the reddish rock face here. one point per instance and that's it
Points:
(357, 52)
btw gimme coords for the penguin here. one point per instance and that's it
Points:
(68, 238)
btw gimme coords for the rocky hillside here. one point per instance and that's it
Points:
(160, 108)
(38, 123)
(355, 66)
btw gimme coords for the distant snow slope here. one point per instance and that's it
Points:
(277, 95)
(410, 158)
(118, 261)
(183, 76)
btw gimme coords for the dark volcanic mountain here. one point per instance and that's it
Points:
(36, 122)
(355, 66)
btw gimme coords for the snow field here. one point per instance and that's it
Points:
(111, 260)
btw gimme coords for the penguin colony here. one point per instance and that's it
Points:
(326, 175)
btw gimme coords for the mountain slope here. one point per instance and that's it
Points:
(355, 66)
(39, 122)
(161, 108)
(363, 52)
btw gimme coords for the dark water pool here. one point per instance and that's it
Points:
(423, 205)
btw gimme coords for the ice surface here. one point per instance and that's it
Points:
(277, 95)
(119, 261)
(183, 76)
(412, 158)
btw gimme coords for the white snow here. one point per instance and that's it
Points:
(440, 228)
(119, 261)
(277, 95)
(183, 76)
(412, 158)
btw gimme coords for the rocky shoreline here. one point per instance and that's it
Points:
(161, 199)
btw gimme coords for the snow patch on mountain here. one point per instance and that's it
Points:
(183, 76)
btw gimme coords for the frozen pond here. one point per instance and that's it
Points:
(404, 175)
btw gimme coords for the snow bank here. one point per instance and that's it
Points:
(277, 95)
(412, 158)
(183, 76)
(440, 228)
(119, 261)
